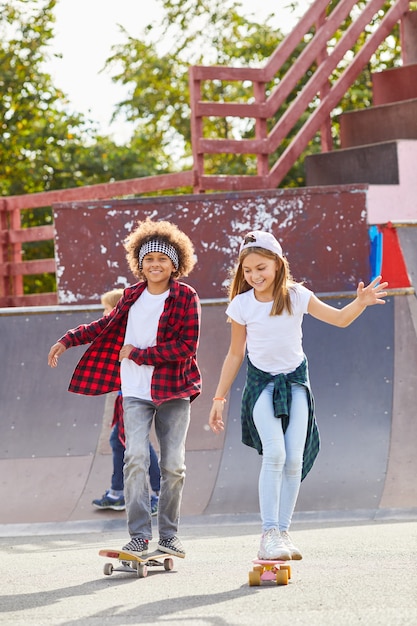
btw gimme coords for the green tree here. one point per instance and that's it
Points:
(35, 127)
(44, 144)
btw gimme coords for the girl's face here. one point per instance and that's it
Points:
(259, 272)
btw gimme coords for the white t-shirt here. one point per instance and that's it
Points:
(274, 343)
(141, 331)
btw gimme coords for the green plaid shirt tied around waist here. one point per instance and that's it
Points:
(256, 381)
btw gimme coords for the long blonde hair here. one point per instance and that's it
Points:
(282, 285)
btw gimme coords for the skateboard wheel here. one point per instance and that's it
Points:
(142, 570)
(168, 564)
(108, 569)
(282, 577)
(254, 578)
(288, 568)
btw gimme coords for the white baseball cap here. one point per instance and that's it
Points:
(261, 239)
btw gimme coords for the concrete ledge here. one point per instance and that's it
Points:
(318, 518)
(375, 164)
(378, 124)
(394, 85)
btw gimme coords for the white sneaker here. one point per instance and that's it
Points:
(294, 552)
(272, 547)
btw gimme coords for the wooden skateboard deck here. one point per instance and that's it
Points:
(134, 563)
(277, 571)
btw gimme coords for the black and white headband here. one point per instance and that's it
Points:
(157, 245)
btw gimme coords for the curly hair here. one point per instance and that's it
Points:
(148, 230)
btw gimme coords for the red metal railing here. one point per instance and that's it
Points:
(12, 236)
(262, 109)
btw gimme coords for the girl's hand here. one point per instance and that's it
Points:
(56, 351)
(372, 293)
(216, 417)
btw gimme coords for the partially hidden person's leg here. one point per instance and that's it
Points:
(154, 479)
(154, 471)
(172, 420)
(118, 450)
(138, 416)
(270, 478)
(113, 498)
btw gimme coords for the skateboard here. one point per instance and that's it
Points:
(134, 563)
(278, 571)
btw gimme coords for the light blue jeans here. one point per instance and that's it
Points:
(172, 419)
(280, 476)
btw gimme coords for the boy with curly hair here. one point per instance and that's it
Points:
(147, 347)
(114, 497)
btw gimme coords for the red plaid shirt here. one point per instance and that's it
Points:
(176, 373)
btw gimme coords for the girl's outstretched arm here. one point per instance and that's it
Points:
(231, 366)
(374, 293)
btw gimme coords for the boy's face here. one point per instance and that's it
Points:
(157, 269)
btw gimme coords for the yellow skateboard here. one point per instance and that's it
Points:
(134, 563)
(277, 571)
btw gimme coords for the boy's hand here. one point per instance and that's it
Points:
(125, 351)
(56, 351)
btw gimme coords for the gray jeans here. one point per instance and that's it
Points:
(171, 420)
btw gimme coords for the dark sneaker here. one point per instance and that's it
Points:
(172, 545)
(107, 502)
(137, 544)
(154, 505)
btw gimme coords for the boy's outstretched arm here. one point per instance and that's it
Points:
(85, 333)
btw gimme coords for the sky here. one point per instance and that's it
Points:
(85, 31)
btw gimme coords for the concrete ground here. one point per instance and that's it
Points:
(353, 573)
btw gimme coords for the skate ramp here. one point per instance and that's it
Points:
(54, 451)
(48, 437)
